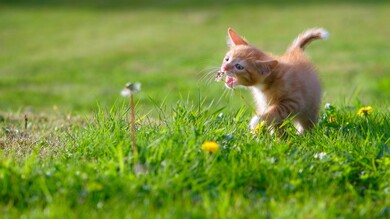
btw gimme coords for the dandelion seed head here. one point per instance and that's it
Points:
(131, 89)
(125, 92)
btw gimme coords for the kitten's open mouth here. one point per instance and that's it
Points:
(230, 81)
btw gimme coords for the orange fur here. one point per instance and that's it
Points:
(282, 86)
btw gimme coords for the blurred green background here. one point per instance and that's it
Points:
(71, 55)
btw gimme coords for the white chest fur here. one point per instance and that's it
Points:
(260, 98)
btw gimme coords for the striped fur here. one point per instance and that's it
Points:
(282, 86)
(307, 37)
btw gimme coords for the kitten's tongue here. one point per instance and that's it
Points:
(230, 81)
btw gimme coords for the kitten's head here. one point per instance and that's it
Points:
(243, 64)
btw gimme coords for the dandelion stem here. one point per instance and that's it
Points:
(25, 122)
(132, 128)
(245, 101)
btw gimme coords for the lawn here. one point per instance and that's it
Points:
(63, 65)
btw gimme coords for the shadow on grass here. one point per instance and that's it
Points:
(172, 4)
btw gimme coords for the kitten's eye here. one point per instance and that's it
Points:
(239, 67)
(226, 59)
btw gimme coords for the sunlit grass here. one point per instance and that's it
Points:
(63, 66)
(338, 169)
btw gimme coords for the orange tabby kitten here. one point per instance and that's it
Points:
(282, 86)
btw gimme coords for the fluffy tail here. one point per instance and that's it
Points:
(306, 37)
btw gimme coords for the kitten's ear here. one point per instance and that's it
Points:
(266, 66)
(234, 39)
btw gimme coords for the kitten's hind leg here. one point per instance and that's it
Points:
(305, 123)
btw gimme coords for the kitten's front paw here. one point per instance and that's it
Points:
(254, 122)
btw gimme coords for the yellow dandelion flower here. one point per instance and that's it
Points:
(210, 146)
(364, 111)
(259, 128)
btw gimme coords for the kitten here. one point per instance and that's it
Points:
(282, 86)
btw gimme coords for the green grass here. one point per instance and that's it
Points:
(63, 65)
(88, 171)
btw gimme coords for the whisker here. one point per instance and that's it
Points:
(209, 76)
(210, 69)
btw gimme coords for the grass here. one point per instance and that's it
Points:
(63, 65)
(89, 171)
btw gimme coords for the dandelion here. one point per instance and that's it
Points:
(259, 127)
(364, 111)
(129, 91)
(219, 75)
(210, 146)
